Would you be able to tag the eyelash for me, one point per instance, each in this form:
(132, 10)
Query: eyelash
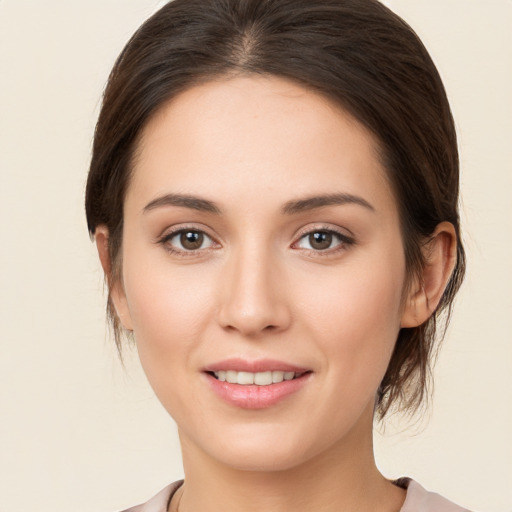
(344, 241)
(166, 239)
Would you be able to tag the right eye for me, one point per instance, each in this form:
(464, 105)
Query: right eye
(187, 240)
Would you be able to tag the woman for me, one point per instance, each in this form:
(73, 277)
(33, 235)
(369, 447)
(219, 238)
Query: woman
(273, 194)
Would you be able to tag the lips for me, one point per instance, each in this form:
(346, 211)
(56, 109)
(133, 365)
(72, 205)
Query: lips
(259, 365)
(255, 384)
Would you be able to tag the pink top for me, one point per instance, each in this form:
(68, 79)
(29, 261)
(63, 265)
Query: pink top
(417, 500)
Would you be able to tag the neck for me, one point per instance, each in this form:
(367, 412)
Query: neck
(344, 478)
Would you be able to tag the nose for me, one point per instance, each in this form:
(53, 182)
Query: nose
(253, 298)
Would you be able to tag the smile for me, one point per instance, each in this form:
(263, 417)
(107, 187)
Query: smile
(256, 384)
(259, 378)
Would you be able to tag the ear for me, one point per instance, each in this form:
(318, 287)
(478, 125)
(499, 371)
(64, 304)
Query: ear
(440, 254)
(115, 285)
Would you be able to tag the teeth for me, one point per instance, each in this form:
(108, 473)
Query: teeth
(245, 378)
(259, 378)
(277, 376)
(263, 378)
(232, 377)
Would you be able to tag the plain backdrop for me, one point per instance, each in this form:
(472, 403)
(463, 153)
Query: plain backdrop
(77, 432)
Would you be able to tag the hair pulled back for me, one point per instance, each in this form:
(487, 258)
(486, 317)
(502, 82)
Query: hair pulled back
(358, 54)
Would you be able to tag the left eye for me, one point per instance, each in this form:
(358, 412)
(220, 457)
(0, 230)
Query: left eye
(321, 240)
(189, 240)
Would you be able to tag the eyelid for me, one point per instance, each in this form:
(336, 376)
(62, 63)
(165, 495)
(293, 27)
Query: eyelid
(170, 232)
(346, 239)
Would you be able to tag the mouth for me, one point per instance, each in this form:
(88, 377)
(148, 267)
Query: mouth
(256, 384)
(266, 378)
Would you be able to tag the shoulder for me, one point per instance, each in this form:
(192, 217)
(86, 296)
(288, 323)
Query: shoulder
(420, 500)
(158, 503)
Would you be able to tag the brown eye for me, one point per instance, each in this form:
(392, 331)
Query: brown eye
(191, 240)
(324, 240)
(320, 240)
(187, 240)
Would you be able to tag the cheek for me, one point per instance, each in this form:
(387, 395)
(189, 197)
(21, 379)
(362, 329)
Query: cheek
(356, 315)
(168, 311)
(168, 308)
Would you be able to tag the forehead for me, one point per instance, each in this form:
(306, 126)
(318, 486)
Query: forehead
(247, 135)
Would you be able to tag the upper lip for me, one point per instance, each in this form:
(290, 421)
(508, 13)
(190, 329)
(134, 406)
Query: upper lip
(259, 365)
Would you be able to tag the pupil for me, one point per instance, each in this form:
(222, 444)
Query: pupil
(320, 240)
(191, 240)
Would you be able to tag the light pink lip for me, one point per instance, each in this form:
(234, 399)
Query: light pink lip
(259, 365)
(254, 396)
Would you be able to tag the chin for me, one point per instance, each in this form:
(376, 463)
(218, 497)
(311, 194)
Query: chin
(260, 458)
(264, 447)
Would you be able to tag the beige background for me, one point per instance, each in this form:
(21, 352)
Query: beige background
(77, 433)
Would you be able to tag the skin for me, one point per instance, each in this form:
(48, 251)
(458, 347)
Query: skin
(257, 288)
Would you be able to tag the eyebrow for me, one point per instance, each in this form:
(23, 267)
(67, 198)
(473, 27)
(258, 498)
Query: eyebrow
(186, 201)
(310, 203)
(289, 208)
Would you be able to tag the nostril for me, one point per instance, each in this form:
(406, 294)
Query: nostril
(251, 310)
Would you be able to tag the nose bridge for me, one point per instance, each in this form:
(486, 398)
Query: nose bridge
(253, 300)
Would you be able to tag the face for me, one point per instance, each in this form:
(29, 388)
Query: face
(263, 271)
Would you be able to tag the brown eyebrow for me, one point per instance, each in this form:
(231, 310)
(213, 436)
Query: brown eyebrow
(186, 201)
(290, 208)
(310, 203)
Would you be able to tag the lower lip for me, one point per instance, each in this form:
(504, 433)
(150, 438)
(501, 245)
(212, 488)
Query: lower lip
(253, 396)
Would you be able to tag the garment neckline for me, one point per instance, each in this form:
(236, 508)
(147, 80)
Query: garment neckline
(402, 482)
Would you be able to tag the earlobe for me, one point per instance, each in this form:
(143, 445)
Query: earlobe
(440, 254)
(115, 286)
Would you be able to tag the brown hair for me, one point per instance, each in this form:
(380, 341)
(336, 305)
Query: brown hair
(355, 52)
